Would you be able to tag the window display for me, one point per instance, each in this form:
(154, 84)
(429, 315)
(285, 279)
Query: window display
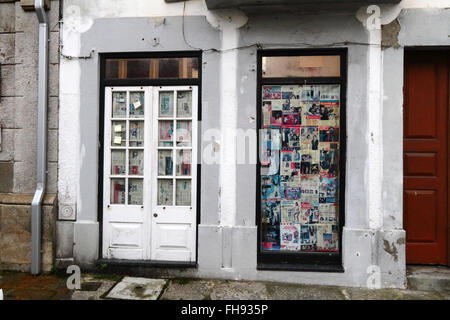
(299, 172)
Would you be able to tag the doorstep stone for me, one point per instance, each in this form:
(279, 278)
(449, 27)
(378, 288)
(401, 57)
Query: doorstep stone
(131, 288)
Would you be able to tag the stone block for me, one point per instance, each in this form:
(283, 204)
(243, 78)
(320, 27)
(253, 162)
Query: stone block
(85, 248)
(16, 219)
(52, 145)
(52, 177)
(26, 113)
(27, 47)
(243, 249)
(7, 153)
(6, 176)
(15, 248)
(53, 49)
(209, 248)
(25, 141)
(392, 258)
(15, 241)
(8, 112)
(53, 16)
(15, 231)
(26, 85)
(48, 223)
(7, 80)
(7, 17)
(53, 112)
(53, 80)
(7, 45)
(64, 239)
(24, 177)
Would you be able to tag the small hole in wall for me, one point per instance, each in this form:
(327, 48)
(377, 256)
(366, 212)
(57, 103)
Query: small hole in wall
(357, 254)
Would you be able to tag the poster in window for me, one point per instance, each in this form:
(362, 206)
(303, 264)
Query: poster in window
(183, 192)
(183, 162)
(136, 134)
(184, 104)
(290, 236)
(165, 163)
(166, 104)
(184, 133)
(299, 157)
(165, 192)
(135, 191)
(165, 134)
(136, 162)
(118, 162)
(117, 191)
(119, 105)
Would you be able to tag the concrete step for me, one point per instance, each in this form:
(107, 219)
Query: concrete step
(429, 278)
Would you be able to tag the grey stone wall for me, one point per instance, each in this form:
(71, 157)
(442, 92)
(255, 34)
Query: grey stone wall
(18, 121)
(18, 97)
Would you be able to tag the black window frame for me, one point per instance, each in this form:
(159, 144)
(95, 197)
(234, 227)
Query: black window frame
(303, 261)
(139, 82)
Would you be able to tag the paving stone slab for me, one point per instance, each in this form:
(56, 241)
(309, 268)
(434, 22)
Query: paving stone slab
(390, 294)
(89, 282)
(303, 292)
(188, 290)
(239, 290)
(131, 288)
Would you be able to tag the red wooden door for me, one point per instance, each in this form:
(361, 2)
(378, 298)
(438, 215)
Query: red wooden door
(425, 156)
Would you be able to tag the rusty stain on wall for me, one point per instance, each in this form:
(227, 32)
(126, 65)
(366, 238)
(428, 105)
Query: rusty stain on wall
(392, 250)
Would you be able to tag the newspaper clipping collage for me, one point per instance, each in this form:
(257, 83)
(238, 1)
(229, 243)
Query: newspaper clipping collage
(299, 154)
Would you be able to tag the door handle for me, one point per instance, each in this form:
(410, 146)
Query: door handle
(155, 215)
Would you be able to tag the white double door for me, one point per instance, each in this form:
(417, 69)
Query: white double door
(150, 171)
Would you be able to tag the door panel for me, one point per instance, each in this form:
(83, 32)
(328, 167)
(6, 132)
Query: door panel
(126, 179)
(174, 200)
(140, 163)
(426, 156)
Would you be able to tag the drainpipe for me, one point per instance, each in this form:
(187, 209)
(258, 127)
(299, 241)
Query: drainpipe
(41, 170)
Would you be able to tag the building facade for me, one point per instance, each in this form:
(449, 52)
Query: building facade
(300, 142)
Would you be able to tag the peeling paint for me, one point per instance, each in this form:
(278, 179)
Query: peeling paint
(389, 35)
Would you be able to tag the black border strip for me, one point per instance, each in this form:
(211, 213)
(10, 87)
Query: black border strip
(304, 261)
(143, 83)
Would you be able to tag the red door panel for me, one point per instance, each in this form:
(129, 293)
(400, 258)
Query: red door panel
(425, 156)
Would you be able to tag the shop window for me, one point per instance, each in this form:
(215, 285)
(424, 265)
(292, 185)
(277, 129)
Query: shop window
(301, 158)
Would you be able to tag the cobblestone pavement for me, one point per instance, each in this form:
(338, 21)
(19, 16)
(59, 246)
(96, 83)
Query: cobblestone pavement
(23, 286)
